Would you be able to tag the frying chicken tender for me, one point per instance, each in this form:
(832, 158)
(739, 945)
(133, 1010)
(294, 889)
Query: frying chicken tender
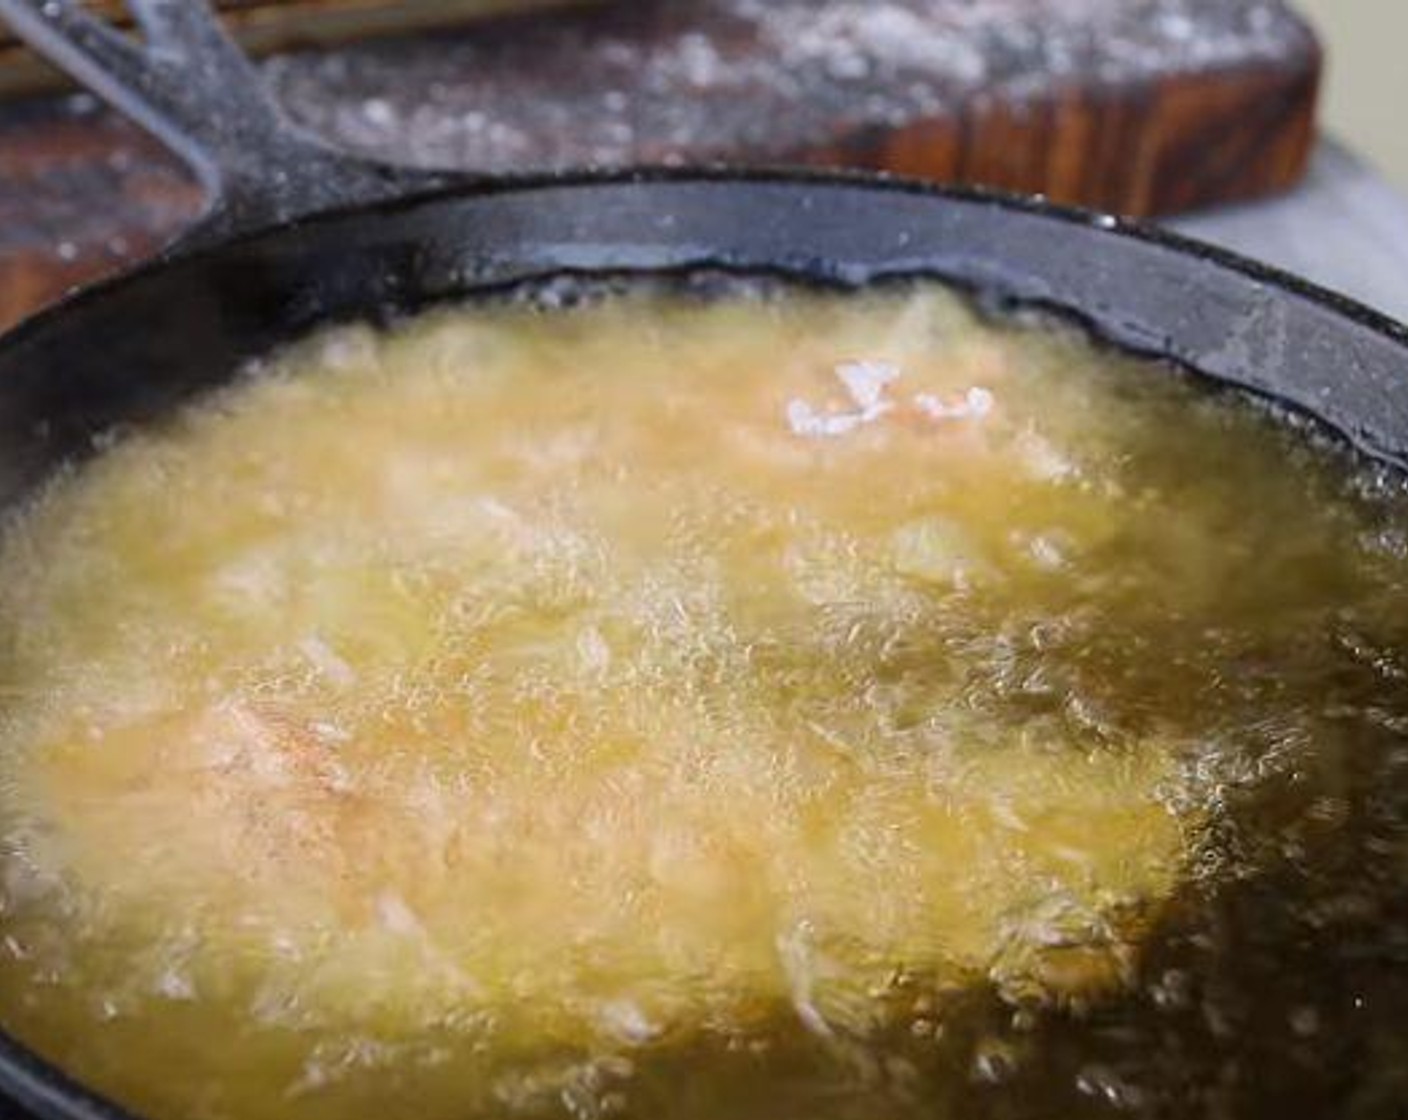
(650, 865)
(547, 677)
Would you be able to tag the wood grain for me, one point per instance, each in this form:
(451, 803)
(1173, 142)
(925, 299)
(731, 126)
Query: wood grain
(1135, 106)
(263, 26)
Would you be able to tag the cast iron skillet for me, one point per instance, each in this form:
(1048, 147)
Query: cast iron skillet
(298, 235)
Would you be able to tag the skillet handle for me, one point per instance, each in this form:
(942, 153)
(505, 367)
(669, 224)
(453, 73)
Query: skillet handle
(188, 83)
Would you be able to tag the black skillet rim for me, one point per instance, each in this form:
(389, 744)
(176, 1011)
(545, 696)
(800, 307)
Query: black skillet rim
(1140, 230)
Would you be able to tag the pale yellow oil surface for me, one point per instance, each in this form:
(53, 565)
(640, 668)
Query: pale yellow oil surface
(458, 720)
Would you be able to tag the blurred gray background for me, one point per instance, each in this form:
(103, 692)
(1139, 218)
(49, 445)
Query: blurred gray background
(1367, 95)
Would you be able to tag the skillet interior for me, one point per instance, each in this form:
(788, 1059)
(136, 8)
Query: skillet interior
(135, 348)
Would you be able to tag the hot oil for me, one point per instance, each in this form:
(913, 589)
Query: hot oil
(769, 704)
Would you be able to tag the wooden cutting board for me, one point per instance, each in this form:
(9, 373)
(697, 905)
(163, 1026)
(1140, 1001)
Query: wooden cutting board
(1135, 106)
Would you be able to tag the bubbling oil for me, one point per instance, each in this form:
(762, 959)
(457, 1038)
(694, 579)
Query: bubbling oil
(758, 703)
